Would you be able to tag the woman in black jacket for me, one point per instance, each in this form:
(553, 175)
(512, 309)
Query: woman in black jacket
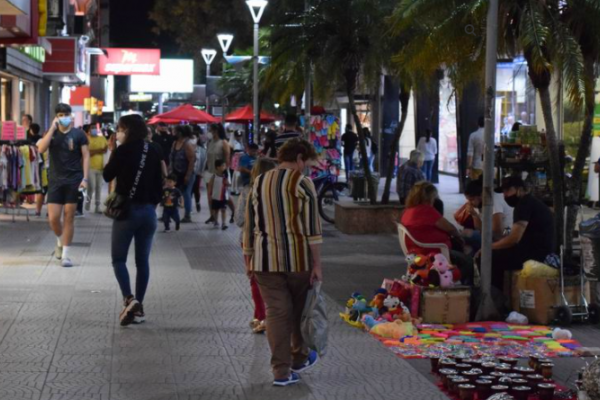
(136, 164)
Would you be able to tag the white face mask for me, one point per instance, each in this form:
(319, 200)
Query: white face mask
(194, 140)
(120, 136)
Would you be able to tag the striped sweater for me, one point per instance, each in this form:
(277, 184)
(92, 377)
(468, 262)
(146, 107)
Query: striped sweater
(282, 221)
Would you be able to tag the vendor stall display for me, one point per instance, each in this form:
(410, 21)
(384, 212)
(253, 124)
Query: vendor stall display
(324, 133)
(525, 150)
(492, 378)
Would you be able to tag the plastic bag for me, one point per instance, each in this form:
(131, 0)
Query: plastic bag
(516, 318)
(535, 269)
(590, 228)
(314, 324)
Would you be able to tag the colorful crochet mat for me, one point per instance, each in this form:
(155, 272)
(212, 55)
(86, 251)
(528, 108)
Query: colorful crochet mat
(483, 339)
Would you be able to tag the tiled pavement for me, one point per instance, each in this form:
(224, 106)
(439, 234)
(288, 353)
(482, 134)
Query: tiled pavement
(59, 337)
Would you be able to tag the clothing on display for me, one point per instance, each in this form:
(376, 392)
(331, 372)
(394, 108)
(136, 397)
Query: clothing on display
(22, 169)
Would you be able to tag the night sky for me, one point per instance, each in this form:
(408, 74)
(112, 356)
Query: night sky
(130, 26)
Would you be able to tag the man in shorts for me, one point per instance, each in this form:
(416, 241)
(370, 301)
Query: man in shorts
(69, 166)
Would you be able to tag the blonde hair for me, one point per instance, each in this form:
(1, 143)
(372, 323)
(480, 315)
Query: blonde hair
(421, 193)
(261, 166)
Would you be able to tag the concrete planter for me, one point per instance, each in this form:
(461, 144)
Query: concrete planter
(362, 219)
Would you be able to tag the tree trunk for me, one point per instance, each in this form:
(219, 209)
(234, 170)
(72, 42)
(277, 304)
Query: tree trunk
(575, 183)
(556, 171)
(404, 100)
(362, 146)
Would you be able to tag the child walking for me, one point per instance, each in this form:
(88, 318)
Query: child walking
(220, 194)
(261, 166)
(170, 202)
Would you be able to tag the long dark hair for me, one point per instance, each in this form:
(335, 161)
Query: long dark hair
(183, 131)
(220, 131)
(428, 134)
(135, 128)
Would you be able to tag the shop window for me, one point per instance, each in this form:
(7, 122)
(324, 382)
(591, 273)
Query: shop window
(515, 96)
(448, 143)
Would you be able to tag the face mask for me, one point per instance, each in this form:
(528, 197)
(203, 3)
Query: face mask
(512, 201)
(65, 121)
(120, 136)
(194, 141)
(94, 132)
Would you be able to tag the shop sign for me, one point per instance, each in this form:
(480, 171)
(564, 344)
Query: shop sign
(36, 53)
(130, 62)
(140, 97)
(21, 133)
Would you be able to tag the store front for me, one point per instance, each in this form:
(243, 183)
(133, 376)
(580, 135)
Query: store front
(515, 103)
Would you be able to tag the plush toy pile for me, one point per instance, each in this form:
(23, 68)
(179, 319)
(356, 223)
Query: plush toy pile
(432, 270)
(385, 315)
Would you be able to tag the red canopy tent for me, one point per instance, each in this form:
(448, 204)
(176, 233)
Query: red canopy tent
(246, 114)
(187, 113)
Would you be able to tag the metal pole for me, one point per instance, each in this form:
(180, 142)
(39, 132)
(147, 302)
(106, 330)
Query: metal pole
(160, 103)
(206, 88)
(487, 308)
(256, 126)
(307, 89)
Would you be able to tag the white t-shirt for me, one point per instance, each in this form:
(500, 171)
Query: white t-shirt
(429, 149)
(475, 149)
(500, 206)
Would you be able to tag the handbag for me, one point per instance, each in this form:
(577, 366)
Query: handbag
(117, 205)
(462, 216)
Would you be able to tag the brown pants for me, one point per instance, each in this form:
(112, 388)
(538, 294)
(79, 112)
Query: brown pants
(285, 296)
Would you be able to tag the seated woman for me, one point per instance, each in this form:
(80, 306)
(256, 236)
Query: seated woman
(427, 225)
(502, 218)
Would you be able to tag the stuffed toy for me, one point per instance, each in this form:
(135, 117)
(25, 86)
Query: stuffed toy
(419, 270)
(440, 273)
(394, 330)
(369, 322)
(379, 299)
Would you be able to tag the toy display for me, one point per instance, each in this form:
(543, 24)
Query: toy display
(325, 135)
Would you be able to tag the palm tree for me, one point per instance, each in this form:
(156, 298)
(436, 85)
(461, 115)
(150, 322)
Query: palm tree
(346, 42)
(533, 28)
(581, 17)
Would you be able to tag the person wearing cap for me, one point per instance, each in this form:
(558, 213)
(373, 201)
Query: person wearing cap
(532, 232)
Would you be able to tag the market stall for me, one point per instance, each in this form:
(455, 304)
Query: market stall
(185, 113)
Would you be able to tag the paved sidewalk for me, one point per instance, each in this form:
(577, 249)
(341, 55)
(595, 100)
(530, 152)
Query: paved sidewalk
(59, 337)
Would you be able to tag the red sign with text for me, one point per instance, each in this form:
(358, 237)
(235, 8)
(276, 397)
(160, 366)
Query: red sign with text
(8, 130)
(130, 62)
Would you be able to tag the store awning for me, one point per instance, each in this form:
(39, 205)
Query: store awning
(184, 113)
(246, 114)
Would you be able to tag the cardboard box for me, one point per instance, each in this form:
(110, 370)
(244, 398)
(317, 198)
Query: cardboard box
(536, 297)
(446, 306)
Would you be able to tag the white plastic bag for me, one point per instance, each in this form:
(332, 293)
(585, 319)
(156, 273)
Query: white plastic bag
(314, 325)
(516, 318)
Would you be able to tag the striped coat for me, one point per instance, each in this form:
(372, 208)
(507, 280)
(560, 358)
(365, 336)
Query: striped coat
(282, 221)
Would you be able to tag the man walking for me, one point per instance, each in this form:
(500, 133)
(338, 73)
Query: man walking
(290, 131)
(349, 140)
(475, 152)
(69, 165)
(165, 140)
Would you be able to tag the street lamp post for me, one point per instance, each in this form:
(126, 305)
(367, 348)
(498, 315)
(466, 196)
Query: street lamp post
(225, 41)
(257, 8)
(209, 56)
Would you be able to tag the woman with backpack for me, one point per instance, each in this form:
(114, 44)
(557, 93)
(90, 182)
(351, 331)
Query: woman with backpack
(183, 162)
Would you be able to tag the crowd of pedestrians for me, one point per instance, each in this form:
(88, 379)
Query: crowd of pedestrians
(165, 167)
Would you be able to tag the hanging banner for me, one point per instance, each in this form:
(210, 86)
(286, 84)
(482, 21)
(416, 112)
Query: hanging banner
(21, 133)
(129, 62)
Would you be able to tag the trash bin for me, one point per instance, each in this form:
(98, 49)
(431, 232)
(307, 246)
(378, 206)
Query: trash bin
(360, 189)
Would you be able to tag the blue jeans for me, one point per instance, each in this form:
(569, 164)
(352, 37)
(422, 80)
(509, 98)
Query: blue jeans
(474, 241)
(428, 169)
(170, 213)
(141, 225)
(349, 163)
(187, 190)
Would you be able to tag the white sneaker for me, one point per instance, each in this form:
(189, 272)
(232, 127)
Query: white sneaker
(87, 206)
(127, 316)
(66, 263)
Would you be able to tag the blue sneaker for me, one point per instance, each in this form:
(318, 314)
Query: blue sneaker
(310, 362)
(290, 380)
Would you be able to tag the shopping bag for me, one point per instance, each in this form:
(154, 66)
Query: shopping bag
(314, 325)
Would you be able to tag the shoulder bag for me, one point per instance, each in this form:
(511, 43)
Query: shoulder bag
(117, 205)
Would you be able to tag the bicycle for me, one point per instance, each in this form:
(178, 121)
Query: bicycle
(329, 191)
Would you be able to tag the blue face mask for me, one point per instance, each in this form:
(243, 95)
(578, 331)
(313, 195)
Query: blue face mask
(65, 121)
(94, 132)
